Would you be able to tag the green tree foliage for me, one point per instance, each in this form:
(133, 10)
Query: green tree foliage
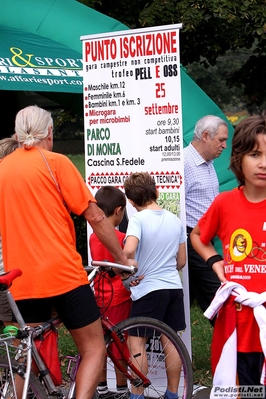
(211, 29)
(213, 81)
(67, 125)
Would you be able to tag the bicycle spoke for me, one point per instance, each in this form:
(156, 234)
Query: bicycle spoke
(7, 389)
(159, 356)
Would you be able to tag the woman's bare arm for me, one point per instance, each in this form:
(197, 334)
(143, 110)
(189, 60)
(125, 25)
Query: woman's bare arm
(106, 234)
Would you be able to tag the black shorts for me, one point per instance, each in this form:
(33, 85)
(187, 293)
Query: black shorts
(164, 305)
(249, 367)
(76, 308)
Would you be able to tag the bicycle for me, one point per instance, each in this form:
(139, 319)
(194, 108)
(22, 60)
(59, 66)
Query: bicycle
(164, 354)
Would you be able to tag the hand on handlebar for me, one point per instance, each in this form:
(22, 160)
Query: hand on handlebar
(123, 273)
(131, 262)
(123, 270)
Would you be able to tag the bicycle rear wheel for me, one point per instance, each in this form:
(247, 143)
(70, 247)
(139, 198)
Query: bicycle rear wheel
(157, 352)
(36, 390)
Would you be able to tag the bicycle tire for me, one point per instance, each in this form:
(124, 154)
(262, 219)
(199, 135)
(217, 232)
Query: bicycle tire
(36, 390)
(156, 371)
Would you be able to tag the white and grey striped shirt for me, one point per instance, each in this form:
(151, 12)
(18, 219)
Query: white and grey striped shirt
(201, 185)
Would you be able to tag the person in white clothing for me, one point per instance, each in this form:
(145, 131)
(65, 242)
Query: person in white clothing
(156, 238)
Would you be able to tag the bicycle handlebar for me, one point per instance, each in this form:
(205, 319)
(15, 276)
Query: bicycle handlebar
(126, 269)
(7, 278)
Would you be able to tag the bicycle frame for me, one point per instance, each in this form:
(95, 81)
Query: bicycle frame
(44, 372)
(27, 335)
(120, 343)
(27, 347)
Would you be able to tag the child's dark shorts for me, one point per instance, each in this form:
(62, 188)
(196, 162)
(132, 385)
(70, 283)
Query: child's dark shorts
(164, 305)
(249, 368)
(76, 308)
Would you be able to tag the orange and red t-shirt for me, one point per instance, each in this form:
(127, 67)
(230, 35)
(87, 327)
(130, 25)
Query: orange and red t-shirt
(37, 230)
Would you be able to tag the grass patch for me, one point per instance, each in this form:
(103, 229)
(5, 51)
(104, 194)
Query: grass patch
(201, 335)
(66, 343)
(79, 161)
(66, 347)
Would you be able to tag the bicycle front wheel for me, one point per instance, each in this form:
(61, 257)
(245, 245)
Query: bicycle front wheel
(156, 358)
(7, 389)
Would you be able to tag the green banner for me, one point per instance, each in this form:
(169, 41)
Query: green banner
(30, 62)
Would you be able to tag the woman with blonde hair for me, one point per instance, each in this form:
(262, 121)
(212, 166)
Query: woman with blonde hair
(38, 191)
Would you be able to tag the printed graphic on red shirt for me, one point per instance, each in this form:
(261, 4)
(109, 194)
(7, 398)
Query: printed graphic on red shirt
(245, 258)
(240, 245)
